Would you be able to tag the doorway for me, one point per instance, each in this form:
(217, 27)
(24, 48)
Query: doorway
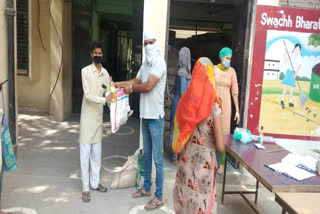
(206, 26)
(118, 26)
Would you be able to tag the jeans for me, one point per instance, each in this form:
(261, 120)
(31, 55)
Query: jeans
(152, 131)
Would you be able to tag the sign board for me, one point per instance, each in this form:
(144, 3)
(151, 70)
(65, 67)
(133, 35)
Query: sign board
(284, 94)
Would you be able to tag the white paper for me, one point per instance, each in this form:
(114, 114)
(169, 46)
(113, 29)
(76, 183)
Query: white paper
(291, 171)
(259, 146)
(301, 161)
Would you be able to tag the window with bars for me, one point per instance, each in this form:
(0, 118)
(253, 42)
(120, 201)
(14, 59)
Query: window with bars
(23, 37)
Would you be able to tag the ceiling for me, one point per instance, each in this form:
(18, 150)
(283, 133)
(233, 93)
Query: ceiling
(202, 13)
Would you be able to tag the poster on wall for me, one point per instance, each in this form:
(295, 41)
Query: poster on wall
(284, 94)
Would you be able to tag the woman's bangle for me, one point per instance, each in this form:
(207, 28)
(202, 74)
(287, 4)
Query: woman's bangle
(131, 88)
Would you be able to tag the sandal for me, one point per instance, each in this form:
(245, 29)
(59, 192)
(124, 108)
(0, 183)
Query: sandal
(221, 170)
(154, 204)
(140, 194)
(86, 197)
(101, 188)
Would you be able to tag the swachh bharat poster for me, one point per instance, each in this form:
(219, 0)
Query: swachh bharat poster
(284, 94)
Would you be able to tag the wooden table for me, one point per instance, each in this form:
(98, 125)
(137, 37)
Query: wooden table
(299, 203)
(254, 160)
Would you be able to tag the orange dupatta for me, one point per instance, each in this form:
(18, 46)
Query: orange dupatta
(195, 104)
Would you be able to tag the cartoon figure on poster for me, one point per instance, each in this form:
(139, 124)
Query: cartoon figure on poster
(291, 79)
(293, 63)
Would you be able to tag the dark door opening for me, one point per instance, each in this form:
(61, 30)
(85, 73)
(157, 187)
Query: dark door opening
(205, 28)
(118, 26)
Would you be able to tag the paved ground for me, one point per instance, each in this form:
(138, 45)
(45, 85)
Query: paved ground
(48, 178)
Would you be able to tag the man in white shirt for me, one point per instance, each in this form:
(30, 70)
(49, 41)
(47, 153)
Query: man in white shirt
(151, 82)
(95, 82)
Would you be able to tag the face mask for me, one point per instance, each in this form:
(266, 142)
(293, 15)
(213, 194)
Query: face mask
(226, 63)
(150, 51)
(97, 59)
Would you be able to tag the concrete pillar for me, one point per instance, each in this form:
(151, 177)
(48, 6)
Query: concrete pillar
(60, 59)
(4, 55)
(155, 19)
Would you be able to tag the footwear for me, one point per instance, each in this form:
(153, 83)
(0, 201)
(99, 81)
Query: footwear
(282, 104)
(154, 204)
(221, 170)
(291, 105)
(140, 194)
(101, 188)
(85, 197)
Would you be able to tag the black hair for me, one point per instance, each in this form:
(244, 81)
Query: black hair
(297, 45)
(95, 45)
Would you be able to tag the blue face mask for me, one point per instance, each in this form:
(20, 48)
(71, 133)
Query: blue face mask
(226, 63)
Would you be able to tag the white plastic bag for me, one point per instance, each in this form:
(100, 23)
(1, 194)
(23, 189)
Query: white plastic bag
(126, 177)
(120, 110)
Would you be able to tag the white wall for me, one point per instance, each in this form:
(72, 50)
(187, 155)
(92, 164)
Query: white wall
(155, 19)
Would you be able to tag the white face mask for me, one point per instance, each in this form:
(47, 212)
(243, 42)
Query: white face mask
(151, 52)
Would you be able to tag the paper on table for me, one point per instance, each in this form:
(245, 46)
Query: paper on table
(306, 162)
(259, 146)
(291, 171)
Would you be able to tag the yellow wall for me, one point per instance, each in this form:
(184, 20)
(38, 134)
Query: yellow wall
(50, 40)
(60, 48)
(33, 91)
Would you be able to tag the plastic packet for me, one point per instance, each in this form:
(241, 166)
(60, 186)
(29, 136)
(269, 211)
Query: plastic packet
(243, 135)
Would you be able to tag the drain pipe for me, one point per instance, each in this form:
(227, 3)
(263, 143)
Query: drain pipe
(10, 12)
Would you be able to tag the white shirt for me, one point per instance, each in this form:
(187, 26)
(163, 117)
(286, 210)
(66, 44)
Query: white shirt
(152, 103)
(91, 119)
(296, 62)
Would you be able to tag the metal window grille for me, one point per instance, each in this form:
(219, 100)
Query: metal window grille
(23, 37)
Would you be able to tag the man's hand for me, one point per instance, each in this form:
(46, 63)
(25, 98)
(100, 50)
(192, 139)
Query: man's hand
(117, 84)
(121, 84)
(127, 90)
(111, 96)
(124, 84)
